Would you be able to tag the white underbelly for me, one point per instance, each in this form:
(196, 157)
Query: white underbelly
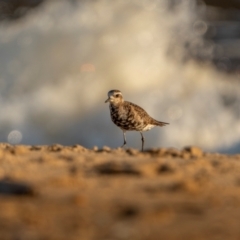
(148, 127)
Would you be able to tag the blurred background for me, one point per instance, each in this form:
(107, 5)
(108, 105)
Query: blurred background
(178, 59)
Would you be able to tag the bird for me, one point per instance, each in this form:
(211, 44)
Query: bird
(129, 116)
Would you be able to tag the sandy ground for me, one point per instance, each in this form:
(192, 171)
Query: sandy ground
(58, 192)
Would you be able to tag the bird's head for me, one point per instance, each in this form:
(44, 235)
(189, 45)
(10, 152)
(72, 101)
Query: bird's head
(114, 97)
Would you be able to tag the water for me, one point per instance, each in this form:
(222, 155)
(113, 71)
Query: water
(58, 63)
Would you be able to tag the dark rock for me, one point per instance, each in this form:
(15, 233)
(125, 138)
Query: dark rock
(165, 168)
(116, 168)
(128, 212)
(15, 188)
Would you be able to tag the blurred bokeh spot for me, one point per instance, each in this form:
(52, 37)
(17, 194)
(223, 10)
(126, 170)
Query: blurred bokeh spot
(14, 137)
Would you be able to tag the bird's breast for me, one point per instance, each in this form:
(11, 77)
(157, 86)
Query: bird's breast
(118, 113)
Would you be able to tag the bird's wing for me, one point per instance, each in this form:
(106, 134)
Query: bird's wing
(140, 112)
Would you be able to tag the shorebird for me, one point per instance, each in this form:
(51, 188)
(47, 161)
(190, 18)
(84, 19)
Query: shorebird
(129, 116)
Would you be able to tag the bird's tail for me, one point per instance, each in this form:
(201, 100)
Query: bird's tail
(158, 123)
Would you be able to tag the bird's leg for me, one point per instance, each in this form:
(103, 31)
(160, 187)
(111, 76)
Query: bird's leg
(124, 137)
(142, 140)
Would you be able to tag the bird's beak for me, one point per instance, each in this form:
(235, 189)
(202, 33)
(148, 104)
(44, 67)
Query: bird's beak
(107, 100)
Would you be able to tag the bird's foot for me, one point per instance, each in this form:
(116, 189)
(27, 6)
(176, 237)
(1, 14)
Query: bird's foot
(123, 144)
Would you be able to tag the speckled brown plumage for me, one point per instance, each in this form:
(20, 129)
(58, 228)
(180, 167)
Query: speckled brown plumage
(129, 116)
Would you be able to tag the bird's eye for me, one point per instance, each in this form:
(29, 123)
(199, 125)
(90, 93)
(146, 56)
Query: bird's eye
(117, 95)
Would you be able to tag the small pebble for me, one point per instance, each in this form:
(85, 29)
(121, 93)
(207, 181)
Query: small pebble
(106, 149)
(195, 152)
(55, 148)
(95, 148)
(132, 151)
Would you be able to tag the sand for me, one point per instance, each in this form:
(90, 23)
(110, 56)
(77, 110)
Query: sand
(70, 192)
